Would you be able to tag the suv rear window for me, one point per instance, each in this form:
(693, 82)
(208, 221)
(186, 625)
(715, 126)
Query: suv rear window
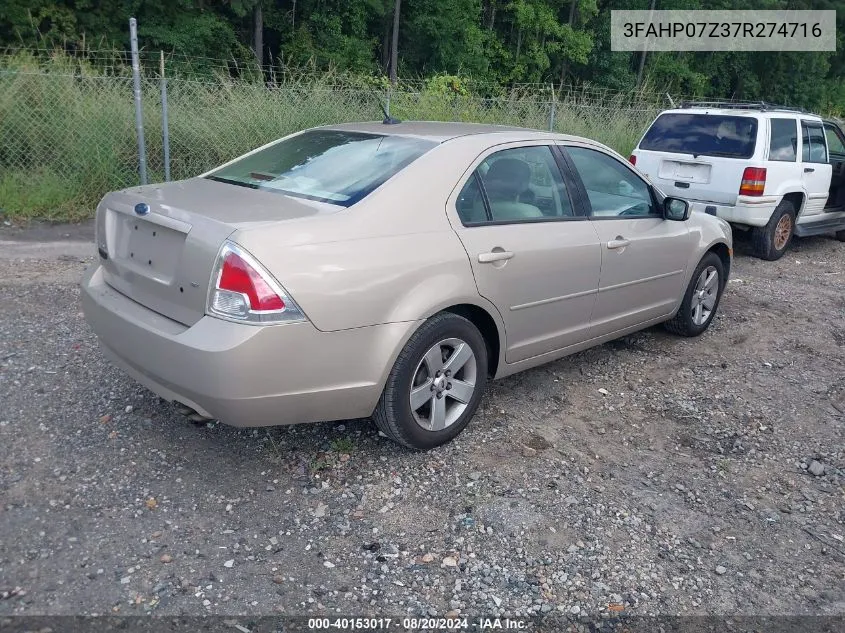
(326, 165)
(702, 135)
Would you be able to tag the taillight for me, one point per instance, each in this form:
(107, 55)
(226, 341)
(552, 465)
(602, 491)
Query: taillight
(632, 159)
(243, 290)
(753, 181)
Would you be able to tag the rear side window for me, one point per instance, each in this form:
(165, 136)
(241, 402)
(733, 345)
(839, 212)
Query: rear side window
(813, 149)
(522, 184)
(326, 165)
(783, 145)
(702, 135)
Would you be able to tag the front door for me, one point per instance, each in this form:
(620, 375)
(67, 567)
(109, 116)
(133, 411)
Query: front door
(643, 256)
(836, 150)
(533, 254)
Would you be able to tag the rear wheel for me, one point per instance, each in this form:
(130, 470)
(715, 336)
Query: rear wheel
(840, 235)
(701, 299)
(771, 241)
(435, 385)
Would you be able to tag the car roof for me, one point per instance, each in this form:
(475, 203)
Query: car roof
(441, 132)
(750, 112)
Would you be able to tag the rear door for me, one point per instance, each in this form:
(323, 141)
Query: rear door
(534, 254)
(643, 256)
(817, 171)
(698, 156)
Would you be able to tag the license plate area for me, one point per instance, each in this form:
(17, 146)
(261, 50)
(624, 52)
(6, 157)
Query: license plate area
(698, 173)
(144, 247)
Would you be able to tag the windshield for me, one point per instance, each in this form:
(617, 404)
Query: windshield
(702, 135)
(327, 165)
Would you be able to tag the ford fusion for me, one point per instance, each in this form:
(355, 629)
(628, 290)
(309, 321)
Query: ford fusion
(390, 271)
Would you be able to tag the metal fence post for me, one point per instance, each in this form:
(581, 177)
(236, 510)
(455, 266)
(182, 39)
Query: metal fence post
(552, 112)
(165, 131)
(139, 117)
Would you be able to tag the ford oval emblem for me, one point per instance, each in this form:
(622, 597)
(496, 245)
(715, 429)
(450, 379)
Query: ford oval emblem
(142, 208)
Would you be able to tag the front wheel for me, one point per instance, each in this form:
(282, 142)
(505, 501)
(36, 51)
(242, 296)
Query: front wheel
(435, 385)
(840, 235)
(701, 299)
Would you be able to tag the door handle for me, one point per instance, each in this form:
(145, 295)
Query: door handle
(809, 170)
(494, 256)
(619, 242)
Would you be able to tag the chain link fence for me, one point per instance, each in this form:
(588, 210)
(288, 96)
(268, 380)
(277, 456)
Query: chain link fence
(67, 133)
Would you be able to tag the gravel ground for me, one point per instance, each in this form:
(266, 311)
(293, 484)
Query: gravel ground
(651, 475)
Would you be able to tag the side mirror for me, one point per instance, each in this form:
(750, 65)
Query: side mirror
(676, 209)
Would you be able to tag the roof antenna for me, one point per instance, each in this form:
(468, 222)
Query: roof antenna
(388, 120)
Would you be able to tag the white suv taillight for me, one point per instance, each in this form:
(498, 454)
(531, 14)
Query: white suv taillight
(242, 290)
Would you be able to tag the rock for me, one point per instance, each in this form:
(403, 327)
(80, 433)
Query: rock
(449, 561)
(427, 558)
(721, 570)
(166, 558)
(128, 408)
(229, 563)
(604, 391)
(278, 579)
(475, 475)
(816, 468)
(321, 510)
(527, 451)
(498, 601)
(328, 563)
(125, 580)
(575, 609)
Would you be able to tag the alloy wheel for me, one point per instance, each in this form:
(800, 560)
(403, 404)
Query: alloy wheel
(704, 295)
(443, 384)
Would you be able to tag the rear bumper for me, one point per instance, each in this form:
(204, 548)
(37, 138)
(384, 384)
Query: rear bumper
(748, 210)
(245, 375)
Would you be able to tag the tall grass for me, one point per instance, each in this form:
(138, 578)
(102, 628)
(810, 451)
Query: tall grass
(67, 129)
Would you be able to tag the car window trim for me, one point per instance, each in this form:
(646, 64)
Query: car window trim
(586, 197)
(488, 211)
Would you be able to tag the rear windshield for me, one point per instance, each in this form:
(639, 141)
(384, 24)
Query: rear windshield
(326, 165)
(702, 135)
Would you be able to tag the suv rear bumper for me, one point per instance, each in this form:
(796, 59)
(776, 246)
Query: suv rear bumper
(747, 210)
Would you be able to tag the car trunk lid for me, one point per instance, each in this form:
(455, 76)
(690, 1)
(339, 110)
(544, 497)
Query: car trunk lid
(160, 241)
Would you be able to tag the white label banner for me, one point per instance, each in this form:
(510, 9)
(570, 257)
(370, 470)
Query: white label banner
(678, 30)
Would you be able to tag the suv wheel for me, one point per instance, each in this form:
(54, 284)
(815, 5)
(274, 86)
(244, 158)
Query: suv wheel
(435, 385)
(840, 235)
(771, 241)
(701, 298)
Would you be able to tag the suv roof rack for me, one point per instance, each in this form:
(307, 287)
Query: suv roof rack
(741, 105)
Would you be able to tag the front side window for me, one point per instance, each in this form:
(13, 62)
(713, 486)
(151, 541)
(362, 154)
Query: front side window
(835, 143)
(513, 185)
(783, 144)
(613, 189)
(326, 165)
(702, 135)
(813, 149)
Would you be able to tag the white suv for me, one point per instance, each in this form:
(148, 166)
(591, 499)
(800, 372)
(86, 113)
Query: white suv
(766, 169)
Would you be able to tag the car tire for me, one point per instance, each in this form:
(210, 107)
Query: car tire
(688, 321)
(840, 235)
(442, 413)
(771, 241)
